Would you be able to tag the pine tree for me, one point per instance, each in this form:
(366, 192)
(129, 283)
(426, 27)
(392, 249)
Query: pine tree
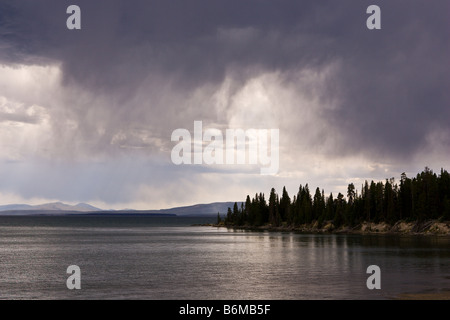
(285, 207)
(242, 215)
(229, 218)
(349, 217)
(379, 208)
(307, 205)
(264, 208)
(318, 209)
(298, 216)
(366, 197)
(389, 202)
(405, 197)
(351, 193)
(340, 209)
(273, 208)
(250, 217)
(235, 215)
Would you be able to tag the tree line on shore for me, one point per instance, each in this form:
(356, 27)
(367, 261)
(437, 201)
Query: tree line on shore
(426, 196)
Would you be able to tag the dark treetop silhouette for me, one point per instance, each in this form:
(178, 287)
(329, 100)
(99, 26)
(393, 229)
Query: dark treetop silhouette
(426, 196)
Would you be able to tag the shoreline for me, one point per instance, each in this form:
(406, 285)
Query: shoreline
(429, 227)
(438, 295)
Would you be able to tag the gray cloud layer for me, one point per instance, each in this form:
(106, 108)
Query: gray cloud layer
(139, 69)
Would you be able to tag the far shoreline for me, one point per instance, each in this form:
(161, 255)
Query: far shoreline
(429, 227)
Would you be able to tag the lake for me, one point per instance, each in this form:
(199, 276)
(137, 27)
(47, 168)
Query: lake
(129, 257)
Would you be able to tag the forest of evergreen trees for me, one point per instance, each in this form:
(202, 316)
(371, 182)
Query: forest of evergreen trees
(426, 196)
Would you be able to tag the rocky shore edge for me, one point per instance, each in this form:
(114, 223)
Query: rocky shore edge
(429, 227)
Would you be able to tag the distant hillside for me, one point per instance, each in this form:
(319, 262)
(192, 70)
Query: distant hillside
(14, 207)
(55, 206)
(201, 209)
(210, 209)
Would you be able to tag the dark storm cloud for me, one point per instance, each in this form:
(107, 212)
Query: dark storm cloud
(193, 40)
(394, 86)
(391, 87)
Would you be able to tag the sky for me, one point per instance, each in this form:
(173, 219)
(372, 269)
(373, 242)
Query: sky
(86, 115)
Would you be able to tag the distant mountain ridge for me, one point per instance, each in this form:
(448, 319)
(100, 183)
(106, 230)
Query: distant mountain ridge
(200, 209)
(209, 209)
(54, 206)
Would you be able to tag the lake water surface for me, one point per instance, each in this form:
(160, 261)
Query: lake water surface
(169, 258)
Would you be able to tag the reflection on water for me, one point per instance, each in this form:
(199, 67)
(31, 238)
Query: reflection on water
(168, 258)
